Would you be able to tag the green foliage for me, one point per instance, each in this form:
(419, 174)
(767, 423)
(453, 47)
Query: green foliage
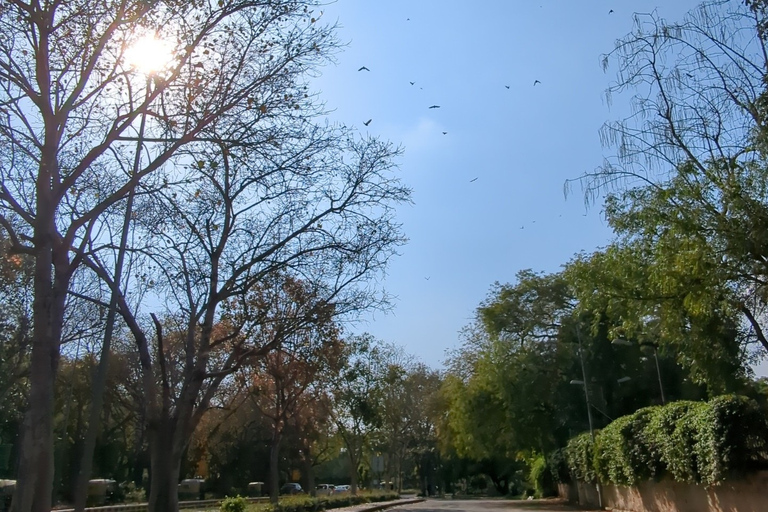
(557, 463)
(540, 477)
(702, 442)
(580, 456)
(233, 504)
(621, 454)
(309, 504)
(132, 494)
(732, 435)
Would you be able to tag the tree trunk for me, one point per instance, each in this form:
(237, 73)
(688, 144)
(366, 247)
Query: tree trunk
(164, 468)
(353, 461)
(34, 483)
(274, 467)
(309, 468)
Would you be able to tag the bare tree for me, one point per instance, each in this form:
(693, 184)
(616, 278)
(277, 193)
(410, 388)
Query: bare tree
(71, 109)
(303, 200)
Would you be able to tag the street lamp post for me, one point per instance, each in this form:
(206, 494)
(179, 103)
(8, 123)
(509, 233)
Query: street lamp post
(627, 343)
(589, 407)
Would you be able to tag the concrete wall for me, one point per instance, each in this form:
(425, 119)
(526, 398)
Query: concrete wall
(745, 495)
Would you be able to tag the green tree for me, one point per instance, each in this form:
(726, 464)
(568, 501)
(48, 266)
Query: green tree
(356, 407)
(686, 187)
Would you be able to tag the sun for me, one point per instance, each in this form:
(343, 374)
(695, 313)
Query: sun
(149, 54)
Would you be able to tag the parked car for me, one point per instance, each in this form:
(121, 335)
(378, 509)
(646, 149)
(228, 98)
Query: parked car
(325, 489)
(341, 489)
(291, 488)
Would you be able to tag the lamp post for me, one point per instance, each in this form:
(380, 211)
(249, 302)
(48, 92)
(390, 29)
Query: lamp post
(627, 343)
(589, 407)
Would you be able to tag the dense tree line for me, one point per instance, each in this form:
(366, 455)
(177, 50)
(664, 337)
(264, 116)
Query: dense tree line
(182, 246)
(674, 307)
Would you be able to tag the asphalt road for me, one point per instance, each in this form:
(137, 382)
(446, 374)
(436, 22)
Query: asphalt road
(498, 505)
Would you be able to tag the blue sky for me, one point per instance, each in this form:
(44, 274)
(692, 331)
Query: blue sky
(521, 143)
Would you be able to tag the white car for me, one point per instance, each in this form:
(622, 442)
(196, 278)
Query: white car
(342, 488)
(325, 489)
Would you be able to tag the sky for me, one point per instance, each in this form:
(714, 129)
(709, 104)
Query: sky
(487, 167)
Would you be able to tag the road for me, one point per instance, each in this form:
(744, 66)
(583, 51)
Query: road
(497, 505)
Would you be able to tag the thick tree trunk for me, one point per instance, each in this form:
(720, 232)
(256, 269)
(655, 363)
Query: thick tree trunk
(274, 468)
(164, 468)
(35, 476)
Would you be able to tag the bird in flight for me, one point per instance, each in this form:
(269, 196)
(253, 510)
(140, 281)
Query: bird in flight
(427, 278)
(473, 180)
(363, 68)
(610, 12)
(435, 106)
(445, 133)
(506, 86)
(368, 122)
(412, 83)
(536, 82)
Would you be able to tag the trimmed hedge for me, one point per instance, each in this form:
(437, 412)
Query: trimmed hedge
(309, 504)
(580, 454)
(701, 442)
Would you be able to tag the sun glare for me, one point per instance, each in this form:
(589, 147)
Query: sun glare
(149, 54)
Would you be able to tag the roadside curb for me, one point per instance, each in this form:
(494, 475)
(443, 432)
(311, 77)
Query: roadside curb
(384, 505)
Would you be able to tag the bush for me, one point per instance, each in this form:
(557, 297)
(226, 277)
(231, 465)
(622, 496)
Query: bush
(731, 436)
(132, 494)
(622, 454)
(540, 477)
(233, 504)
(580, 455)
(691, 441)
(557, 463)
(309, 504)
(665, 440)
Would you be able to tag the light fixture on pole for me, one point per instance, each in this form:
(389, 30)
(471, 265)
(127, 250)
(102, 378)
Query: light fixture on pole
(626, 343)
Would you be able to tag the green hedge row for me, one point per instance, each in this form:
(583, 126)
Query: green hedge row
(701, 442)
(309, 504)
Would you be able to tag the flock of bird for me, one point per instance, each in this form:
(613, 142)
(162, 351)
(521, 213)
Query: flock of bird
(368, 122)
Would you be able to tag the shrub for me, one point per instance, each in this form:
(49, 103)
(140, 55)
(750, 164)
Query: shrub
(132, 494)
(309, 504)
(557, 463)
(233, 504)
(622, 453)
(540, 477)
(666, 439)
(580, 455)
(692, 441)
(731, 435)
